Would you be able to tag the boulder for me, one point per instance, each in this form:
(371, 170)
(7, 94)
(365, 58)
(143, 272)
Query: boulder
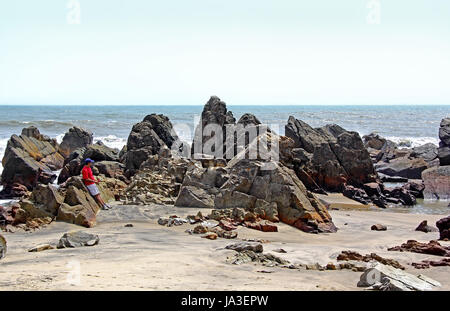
(256, 185)
(374, 141)
(146, 139)
(424, 227)
(74, 139)
(29, 155)
(378, 227)
(444, 228)
(214, 114)
(428, 152)
(99, 153)
(410, 168)
(79, 206)
(77, 239)
(382, 277)
(47, 198)
(330, 155)
(437, 183)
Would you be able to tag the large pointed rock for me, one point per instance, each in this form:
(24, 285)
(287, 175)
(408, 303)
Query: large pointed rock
(146, 139)
(30, 158)
(329, 156)
(74, 139)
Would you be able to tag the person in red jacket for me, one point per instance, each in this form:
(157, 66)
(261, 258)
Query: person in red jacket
(90, 183)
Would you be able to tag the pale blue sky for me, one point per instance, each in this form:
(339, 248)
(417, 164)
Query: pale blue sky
(245, 51)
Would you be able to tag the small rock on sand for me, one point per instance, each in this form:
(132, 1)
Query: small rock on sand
(379, 227)
(78, 239)
(246, 246)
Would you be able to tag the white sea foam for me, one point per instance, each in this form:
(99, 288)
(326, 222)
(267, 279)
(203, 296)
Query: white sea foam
(411, 142)
(112, 141)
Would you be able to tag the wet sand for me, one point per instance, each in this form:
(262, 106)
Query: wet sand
(148, 256)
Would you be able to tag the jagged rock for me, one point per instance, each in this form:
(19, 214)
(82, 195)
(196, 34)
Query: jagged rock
(331, 155)
(246, 246)
(158, 181)
(146, 139)
(214, 114)
(424, 227)
(350, 255)
(444, 144)
(437, 183)
(428, 152)
(47, 198)
(431, 248)
(374, 141)
(78, 239)
(243, 182)
(74, 139)
(356, 194)
(100, 154)
(26, 158)
(403, 167)
(79, 206)
(386, 278)
(444, 228)
(264, 259)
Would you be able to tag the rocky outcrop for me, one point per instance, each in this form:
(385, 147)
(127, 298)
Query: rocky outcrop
(444, 145)
(146, 139)
(215, 115)
(3, 247)
(29, 158)
(437, 183)
(330, 155)
(444, 228)
(106, 162)
(74, 139)
(158, 181)
(431, 248)
(255, 184)
(374, 141)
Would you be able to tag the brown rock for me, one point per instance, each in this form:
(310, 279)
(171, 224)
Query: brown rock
(431, 248)
(424, 227)
(378, 227)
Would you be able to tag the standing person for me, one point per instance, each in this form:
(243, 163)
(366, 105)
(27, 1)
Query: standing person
(90, 183)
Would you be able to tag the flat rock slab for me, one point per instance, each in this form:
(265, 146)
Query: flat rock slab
(338, 200)
(381, 277)
(40, 248)
(78, 239)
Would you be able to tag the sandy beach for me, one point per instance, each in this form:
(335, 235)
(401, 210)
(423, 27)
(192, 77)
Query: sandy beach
(149, 256)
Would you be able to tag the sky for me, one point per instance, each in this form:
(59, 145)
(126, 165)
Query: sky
(248, 52)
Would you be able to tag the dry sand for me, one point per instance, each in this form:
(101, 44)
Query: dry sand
(148, 256)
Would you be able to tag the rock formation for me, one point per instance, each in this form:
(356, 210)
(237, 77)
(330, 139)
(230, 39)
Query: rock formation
(146, 139)
(214, 116)
(255, 184)
(29, 158)
(444, 228)
(331, 156)
(74, 139)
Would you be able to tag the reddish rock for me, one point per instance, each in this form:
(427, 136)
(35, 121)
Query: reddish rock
(425, 264)
(350, 255)
(227, 225)
(431, 248)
